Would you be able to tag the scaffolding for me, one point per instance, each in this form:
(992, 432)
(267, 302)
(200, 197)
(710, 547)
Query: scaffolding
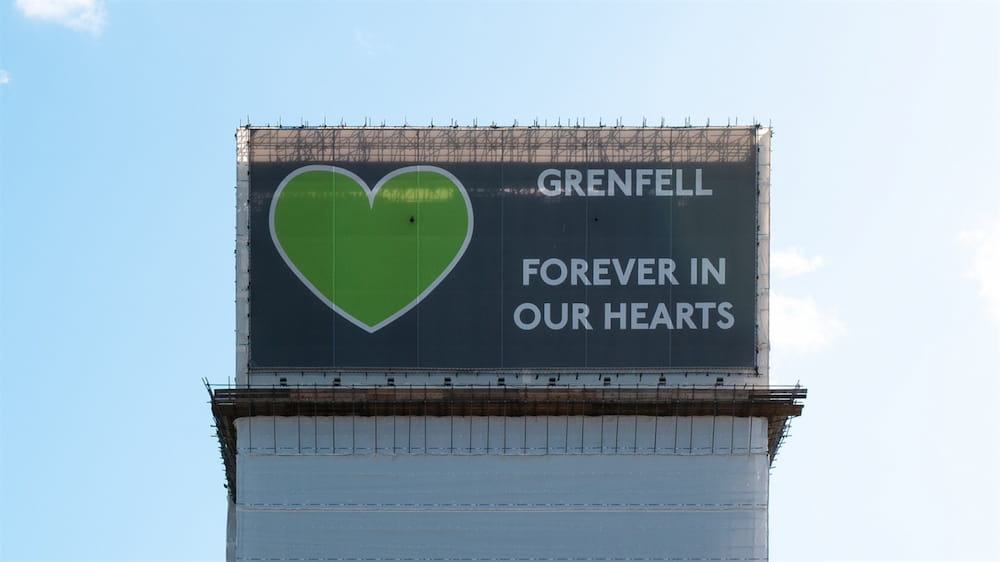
(402, 145)
(777, 404)
(503, 144)
(334, 392)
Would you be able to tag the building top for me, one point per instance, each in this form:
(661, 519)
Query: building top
(504, 144)
(502, 250)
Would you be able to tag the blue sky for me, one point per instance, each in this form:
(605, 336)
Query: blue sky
(117, 168)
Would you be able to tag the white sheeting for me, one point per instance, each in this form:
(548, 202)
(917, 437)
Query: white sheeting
(532, 435)
(701, 496)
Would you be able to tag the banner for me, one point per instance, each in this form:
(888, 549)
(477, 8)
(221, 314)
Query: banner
(489, 265)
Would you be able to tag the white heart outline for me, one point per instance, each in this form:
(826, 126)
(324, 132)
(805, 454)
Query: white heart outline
(371, 193)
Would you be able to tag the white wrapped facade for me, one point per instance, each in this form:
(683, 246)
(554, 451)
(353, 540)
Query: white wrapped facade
(491, 488)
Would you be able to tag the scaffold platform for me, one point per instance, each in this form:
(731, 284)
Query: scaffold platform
(777, 404)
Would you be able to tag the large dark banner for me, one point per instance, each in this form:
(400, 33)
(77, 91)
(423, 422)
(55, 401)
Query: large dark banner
(497, 266)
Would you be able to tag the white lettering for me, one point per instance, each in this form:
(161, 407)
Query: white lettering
(601, 272)
(529, 266)
(642, 179)
(717, 273)
(663, 182)
(594, 182)
(531, 324)
(580, 313)
(728, 320)
(528, 316)
(661, 317)
(697, 184)
(579, 271)
(704, 307)
(624, 184)
(555, 324)
(573, 178)
(680, 184)
(684, 313)
(552, 188)
(646, 271)
(666, 271)
(560, 269)
(650, 316)
(623, 275)
(629, 182)
(638, 315)
(610, 315)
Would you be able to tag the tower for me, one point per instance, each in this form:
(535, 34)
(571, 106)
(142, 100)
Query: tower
(471, 343)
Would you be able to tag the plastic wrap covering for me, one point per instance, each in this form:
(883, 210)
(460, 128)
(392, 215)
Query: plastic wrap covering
(698, 493)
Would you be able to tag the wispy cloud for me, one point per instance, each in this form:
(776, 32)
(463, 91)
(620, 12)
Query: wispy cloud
(364, 43)
(798, 324)
(4, 77)
(791, 262)
(81, 15)
(985, 267)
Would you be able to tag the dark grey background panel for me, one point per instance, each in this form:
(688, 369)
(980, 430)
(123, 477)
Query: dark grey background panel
(467, 322)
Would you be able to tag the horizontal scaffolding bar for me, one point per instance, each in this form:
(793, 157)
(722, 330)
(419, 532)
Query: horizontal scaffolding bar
(507, 401)
(777, 404)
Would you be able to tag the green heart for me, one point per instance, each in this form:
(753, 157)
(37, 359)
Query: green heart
(371, 254)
